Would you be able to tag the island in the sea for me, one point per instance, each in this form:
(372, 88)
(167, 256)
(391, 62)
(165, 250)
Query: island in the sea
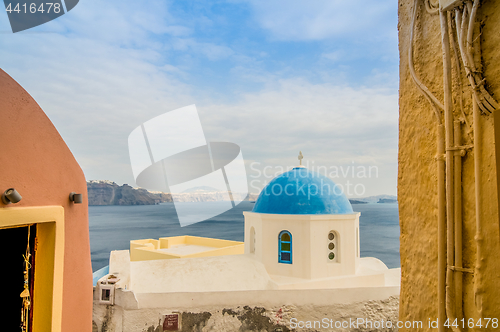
(104, 192)
(387, 200)
(354, 201)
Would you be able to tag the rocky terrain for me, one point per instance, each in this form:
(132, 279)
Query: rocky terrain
(385, 200)
(378, 198)
(354, 201)
(110, 193)
(102, 192)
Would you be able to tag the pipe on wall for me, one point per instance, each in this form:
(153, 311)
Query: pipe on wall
(456, 53)
(450, 290)
(478, 276)
(458, 179)
(450, 217)
(481, 102)
(441, 268)
(458, 222)
(465, 20)
(435, 103)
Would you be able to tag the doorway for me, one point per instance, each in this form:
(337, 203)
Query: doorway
(13, 245)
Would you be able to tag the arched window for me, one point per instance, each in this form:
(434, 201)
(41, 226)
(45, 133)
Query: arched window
(285, 247)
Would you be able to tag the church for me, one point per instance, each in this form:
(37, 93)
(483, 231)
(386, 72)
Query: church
(303, 226)
(301, 250)
(301, 234)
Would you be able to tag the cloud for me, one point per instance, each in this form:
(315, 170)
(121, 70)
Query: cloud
(333, 56)
(99, 76)
(295, 112)
(331, 125)
(322, 19)
(211, 51)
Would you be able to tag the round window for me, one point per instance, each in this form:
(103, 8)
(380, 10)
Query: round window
(331, 236)
(331, 246)
(331, 256)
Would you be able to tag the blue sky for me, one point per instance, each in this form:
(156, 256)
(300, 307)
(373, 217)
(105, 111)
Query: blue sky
(273, 76)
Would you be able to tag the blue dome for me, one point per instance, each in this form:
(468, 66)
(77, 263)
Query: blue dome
(300, 191)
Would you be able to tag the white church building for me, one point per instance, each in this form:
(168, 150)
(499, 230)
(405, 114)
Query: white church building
(305, 233)
(301, 252)
(301, 234)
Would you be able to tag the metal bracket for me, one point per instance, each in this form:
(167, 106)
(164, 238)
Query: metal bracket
(440, 157)
(461, 269)
(445, 5)
(460, 147)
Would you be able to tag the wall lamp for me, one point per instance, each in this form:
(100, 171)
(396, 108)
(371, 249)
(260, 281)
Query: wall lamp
(11, 196)
(76, 198)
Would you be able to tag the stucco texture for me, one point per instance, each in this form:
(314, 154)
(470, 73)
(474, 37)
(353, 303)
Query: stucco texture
(417, 178)
(37, 163)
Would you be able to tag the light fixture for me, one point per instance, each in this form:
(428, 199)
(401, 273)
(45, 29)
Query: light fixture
(76, 198)
(11, 196)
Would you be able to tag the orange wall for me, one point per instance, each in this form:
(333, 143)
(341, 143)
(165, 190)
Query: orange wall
(36, 162)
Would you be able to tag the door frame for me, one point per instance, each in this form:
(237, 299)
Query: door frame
(49, 260)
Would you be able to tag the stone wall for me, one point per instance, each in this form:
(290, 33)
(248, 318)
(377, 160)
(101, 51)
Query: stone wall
(226, 311)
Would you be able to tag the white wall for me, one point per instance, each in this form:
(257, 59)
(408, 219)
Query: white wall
(230, 311)
(309, 243)
(347, 259)
(203, 274)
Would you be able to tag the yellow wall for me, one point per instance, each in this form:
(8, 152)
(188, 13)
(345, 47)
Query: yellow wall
(417, 183)
(145, 249)
(49, 261)
(144, 243)
(209, 242)
(148, 253)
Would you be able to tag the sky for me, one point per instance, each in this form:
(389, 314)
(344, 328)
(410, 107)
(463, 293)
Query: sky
(275, 77)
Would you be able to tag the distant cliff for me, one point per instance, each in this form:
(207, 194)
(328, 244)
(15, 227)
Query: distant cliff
(104, 192)
(353, 201)
(386, 200)
(214, 196)
(110, 193)
(375, 199)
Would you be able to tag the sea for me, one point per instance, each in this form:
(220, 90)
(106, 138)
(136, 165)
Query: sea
(112, 228)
